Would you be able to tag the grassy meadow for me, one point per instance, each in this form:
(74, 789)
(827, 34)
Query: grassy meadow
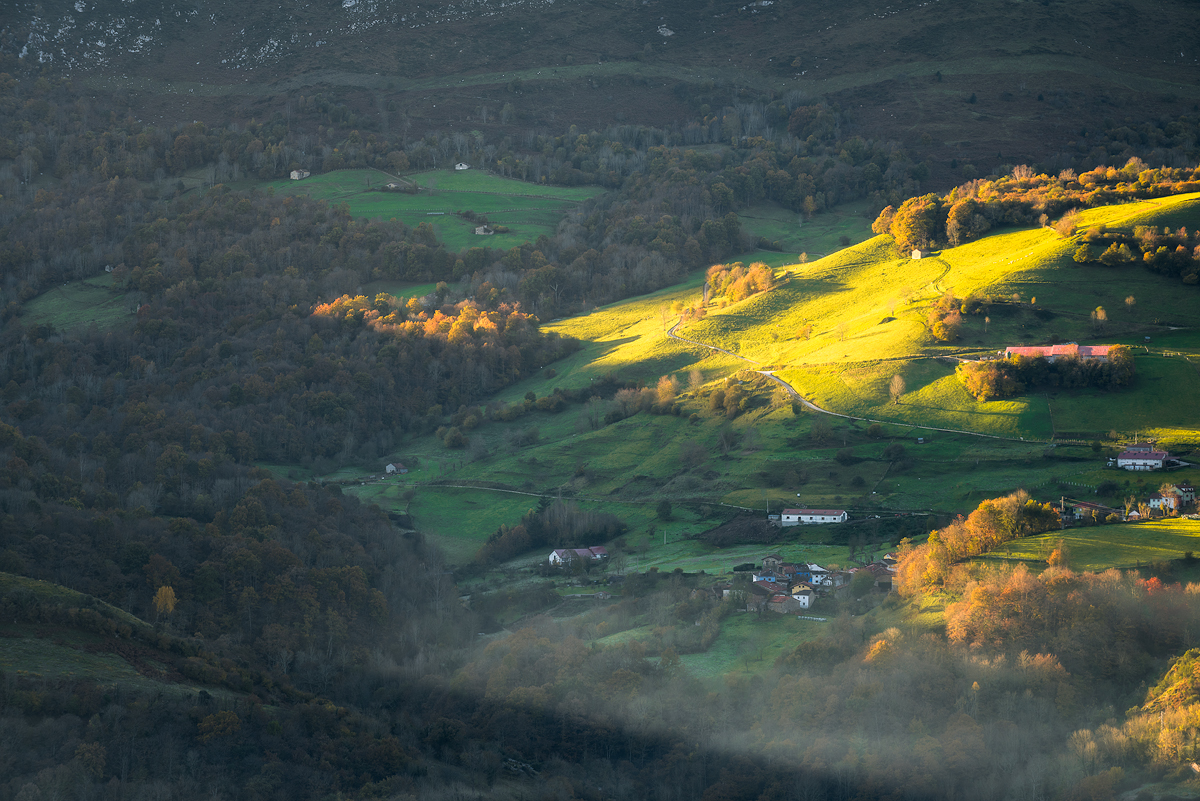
(1121, 545)
(80, 304)
(55, 652)
(750, 644)
(818, 237)
(529, 210)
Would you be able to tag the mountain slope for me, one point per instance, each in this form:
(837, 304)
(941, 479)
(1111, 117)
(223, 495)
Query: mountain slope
(976, 82)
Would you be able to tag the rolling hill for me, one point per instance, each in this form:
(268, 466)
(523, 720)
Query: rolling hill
(868, 312)
(770, 452)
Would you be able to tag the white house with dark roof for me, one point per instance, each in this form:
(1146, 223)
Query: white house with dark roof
(562, 556)
(796, 517)
(1164, 501)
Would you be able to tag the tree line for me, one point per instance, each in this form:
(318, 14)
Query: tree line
(1024, 198)
(1004, 378)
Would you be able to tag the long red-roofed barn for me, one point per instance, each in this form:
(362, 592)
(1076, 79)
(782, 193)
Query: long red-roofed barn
(1067, 350)
(1137, 458)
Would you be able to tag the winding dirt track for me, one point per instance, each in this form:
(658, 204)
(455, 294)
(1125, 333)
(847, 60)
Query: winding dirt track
(814, 407)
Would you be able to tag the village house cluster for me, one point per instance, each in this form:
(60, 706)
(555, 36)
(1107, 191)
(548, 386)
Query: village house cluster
(783, 587)
(1168, 500)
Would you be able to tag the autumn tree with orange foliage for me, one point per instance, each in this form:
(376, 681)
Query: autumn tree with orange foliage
(1023, 198)
(994, 522)
(735, 282)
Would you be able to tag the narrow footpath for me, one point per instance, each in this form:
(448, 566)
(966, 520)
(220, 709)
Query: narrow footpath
(814, 407)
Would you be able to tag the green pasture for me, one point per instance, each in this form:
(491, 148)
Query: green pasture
(628, 338)
(750, 643)
(51, 594)
(817, 237)
(80, 304)
(29, 655)
(1156, 400)
(772, 258)
(934, 397)
(479, 181)
(1097, 548)
(529, 210)
(62, 654)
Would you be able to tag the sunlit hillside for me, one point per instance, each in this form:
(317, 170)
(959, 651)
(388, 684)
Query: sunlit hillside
(867, 310)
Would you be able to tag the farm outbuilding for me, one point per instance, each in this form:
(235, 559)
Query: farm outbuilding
(795, 517)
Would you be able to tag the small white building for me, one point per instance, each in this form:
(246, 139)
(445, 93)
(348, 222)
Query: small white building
(795, 517)
(918, 253)
(805, 598)
(462, 165)
(298, 174)
(483, 230)
(562, 556)
(395, 467)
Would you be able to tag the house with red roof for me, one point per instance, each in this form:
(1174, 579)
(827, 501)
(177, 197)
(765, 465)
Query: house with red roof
(1068, 350)
(1142, 457)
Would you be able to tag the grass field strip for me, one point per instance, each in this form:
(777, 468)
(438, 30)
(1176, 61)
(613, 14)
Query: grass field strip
(553, 496)
(813, 407)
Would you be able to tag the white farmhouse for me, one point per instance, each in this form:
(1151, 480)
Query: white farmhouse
(1142, 456)
(795, 517)
(299, 174)
(561, 556)
(805, 597)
